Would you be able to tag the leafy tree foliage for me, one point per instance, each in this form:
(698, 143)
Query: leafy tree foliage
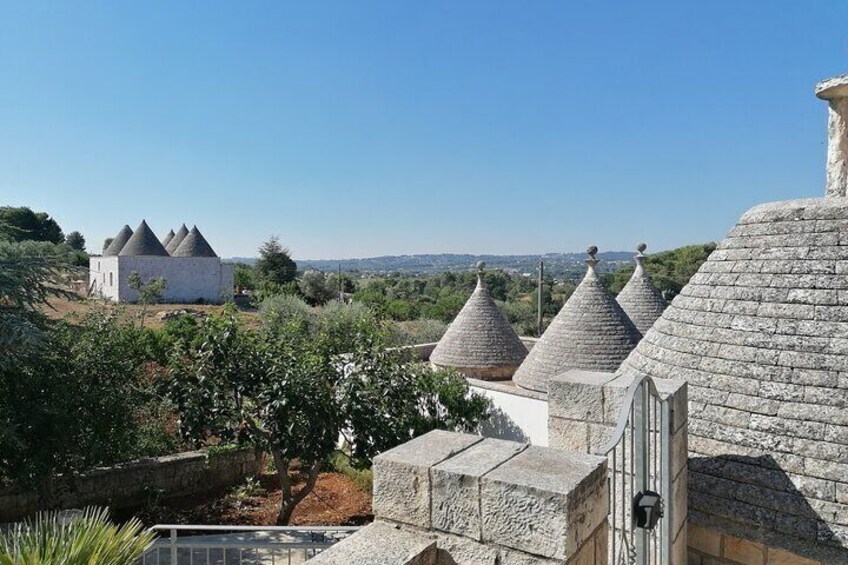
(244, 276)
(275, 264)
(316, 288)
(670, 270)
(30, 274)
(75, 241)
(150, 292)
(22, 224)
(292, 391)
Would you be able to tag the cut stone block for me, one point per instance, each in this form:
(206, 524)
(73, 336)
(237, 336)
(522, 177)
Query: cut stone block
(455, 485)
(381, 543)
(544, 501)
(402, 475)
(578, 395)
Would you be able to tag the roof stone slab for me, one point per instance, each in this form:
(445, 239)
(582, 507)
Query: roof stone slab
(118, 242)
(761, 335)
(177, 239)
(194, 245)
(639, 298)
(590, 332)
(480, 338)
(168, 237)
(143, 242)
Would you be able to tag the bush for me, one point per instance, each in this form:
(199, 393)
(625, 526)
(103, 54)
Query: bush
(414, 332)
(78, 540)
(342, 323)
(285, 310)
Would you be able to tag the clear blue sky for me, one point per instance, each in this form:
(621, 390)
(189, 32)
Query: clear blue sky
(364, 128)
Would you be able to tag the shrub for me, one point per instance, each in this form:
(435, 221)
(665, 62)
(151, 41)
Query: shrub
(284, 310)
(414, 332)
(79, 540)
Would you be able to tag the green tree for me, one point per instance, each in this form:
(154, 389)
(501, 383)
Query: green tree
(75, 241)
(275, 264)
(150, 292)
(287, 392)
(669, 270)
(22, 224)
(244, 276)
(316, 288)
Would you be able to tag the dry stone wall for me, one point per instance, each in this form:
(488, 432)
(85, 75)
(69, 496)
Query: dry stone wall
(132, 484)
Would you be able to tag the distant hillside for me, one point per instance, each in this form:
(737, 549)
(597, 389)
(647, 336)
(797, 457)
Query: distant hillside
(556, 264)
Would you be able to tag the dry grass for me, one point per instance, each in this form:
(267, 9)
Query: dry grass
(61, 308)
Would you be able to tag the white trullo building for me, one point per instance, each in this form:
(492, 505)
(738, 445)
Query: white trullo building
(193, 271)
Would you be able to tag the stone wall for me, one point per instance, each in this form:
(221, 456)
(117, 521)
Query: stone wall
(584, 408)
(131, 484)
(456, 499)
(189, 278)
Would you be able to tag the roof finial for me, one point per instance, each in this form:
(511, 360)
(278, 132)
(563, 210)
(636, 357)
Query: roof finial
(835, 91)
(481, 266)
(592, 250)
(640, 257)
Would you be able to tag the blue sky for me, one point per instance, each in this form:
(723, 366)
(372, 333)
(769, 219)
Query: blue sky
(354, 129)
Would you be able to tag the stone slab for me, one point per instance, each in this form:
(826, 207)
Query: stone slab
(381, 543)
(544, 501)
(578, 395)
(402, 475)
(455, 485)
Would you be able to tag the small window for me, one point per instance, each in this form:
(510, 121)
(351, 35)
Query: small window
(98, 265)
(110, 279)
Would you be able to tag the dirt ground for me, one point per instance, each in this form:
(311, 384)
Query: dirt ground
(336, 500)
(60, 308)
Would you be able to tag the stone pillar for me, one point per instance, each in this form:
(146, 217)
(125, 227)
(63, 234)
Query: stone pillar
(584, 407)
(482, 502)
(835, 91)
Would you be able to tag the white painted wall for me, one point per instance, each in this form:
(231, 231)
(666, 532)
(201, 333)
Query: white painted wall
(189, 278)
(517, 415)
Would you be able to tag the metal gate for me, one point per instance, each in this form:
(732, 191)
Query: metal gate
(639, 454)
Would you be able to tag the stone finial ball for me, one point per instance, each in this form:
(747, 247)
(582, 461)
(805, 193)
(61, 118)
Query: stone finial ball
(592, 250)
(481, 265)
(641, 247)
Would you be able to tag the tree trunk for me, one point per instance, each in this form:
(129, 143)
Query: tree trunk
(290, 498)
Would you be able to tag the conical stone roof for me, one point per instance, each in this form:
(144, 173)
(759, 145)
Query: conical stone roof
(118, 242)
(143, 242)
(480, 342)
(168, 237)
(639, 298)
(590, 332)
(194, 245)
(177, 239)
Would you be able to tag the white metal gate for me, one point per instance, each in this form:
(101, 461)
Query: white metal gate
(639, 454)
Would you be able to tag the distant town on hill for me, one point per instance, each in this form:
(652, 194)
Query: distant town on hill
(568, 265)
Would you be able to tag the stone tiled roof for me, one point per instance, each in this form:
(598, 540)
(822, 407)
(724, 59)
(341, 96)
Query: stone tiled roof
(194, 245)
(639, 298)
(143, 242)
(761, 335)
(168, 237)
(177, 239)
(480, 336)
(118, 242)
(590, 332)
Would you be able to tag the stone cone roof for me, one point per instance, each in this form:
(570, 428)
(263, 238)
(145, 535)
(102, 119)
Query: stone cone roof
(168, 237)
(760, 333)
(118, 242)
(480, 337)
(143, 242)
(177, 239)
(639, 298)
(194, 245)
(590, 332)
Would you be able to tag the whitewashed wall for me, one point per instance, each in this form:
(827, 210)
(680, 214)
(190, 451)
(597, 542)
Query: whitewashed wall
(189, 278)
(518, 415)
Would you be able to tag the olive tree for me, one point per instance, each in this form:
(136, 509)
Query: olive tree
(292, 392)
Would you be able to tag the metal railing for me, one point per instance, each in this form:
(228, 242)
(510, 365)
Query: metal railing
(241, 545)
(639, 454)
